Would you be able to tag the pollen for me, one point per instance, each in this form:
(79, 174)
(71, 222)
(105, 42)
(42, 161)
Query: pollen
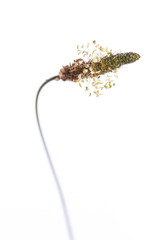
(101, 49)
(85, 70)
(95, 59)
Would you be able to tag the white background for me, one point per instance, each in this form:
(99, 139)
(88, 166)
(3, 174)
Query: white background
(105, 150)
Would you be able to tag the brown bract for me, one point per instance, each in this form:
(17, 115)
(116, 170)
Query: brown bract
(72, 71)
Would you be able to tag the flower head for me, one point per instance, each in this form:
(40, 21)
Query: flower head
(99, 62)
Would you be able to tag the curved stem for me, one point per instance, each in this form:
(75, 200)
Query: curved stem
(63, 202)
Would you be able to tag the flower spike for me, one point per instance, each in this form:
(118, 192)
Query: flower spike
(100, 62)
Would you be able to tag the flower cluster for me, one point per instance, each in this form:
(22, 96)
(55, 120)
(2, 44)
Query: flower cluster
(88, 71)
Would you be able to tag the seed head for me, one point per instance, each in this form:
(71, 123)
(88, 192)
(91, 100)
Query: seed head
(99, 62)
